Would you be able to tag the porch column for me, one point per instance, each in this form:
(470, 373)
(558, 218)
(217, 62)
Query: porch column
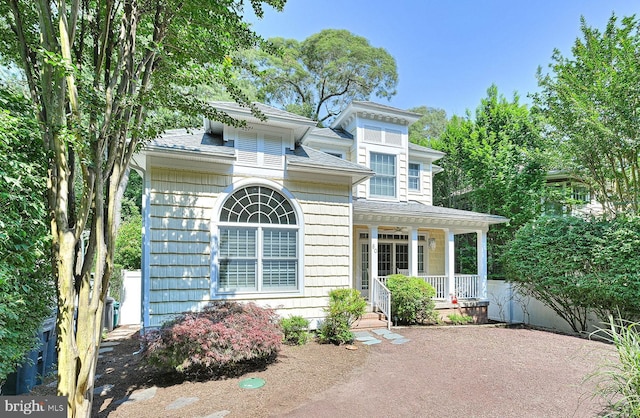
(413, 252)
(373, 262)
(449, 257)
(481, 247)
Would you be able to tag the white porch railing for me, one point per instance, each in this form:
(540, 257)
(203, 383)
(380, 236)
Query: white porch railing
(467, 286)
(381, 298)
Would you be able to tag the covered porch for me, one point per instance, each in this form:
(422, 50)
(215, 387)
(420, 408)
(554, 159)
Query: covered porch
(418, 240)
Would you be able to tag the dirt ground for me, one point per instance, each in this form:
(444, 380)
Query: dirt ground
(474, 371)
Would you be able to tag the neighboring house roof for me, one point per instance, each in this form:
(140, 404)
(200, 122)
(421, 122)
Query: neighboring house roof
(417, 213)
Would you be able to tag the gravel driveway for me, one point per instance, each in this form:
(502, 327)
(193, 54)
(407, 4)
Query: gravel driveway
(468, 371)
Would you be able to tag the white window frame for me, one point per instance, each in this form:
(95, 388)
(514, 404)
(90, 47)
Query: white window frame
(418, 179)
(218, 257)
(393, 177)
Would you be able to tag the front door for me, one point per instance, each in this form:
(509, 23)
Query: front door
(385, 259)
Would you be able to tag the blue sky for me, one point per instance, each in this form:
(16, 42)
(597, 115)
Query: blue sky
(448, 52)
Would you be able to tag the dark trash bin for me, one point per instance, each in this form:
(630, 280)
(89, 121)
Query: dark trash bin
(38, 363)
(107, 317)
(116, 313)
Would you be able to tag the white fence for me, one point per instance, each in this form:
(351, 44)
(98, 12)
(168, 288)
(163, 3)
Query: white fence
(508, 305)
(130, 305)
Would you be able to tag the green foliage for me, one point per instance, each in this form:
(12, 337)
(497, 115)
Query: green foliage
(132, 197)
(321, 75)
(576, 266)
(116, 283)
(494, 164)
(128, 253)
(619, 382)
(345, 307)
(26, 285)
(225, 339)
(590, 103)
(460, 319)
(412, 299)
(295, 329)
(429, 127)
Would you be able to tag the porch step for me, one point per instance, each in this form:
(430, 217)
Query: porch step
(371, 320)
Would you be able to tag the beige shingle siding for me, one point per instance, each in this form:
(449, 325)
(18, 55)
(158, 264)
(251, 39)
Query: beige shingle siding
(181, 208)
(436, 257)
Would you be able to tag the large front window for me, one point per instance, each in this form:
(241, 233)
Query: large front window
(258, 249)
(383, 184)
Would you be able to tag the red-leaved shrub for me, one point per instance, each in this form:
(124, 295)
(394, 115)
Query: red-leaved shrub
(224, 339)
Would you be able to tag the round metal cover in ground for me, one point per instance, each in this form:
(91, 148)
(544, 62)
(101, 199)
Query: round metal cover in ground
(252, 383)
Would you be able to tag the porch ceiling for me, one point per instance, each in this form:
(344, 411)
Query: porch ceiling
(418, 214)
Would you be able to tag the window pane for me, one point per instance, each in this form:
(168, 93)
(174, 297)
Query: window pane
(237, 242)
(414, 176)
(237, 275)
(384, 182)
(279, 274)
(279, 243)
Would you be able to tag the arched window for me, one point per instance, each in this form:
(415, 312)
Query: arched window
(258, 245)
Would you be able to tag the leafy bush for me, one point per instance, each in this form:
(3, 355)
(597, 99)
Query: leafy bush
(128, 251)
(412, 299)
(345, 307)
(224, 339)
(295, 329)
(460, 319)
(27, 288)
(619, 382)
(576, 266)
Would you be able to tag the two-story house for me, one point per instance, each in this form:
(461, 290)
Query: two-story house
(280, 212)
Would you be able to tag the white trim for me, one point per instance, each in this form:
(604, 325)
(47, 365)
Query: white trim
(215, 233)
(146, 249)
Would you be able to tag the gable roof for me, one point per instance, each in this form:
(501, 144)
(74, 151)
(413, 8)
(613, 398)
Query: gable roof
(275, 117)
(198, 145)
(192, 144)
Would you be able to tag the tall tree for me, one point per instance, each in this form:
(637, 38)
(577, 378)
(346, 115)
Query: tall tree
(319, 76)
(95, 69)
(592, 104)
(429, 127)
(494, 164)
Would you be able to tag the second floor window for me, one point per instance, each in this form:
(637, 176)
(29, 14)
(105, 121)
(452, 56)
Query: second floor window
(383, 184)
(414, 176)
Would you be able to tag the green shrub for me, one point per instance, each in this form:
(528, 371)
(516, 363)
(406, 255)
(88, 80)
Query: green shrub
(459, 319)
(345, 307)
(577, 266)
(619, 382)
(224, 339)
(295, 329)
(27, 287)
(412, 300)
(128, 251)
